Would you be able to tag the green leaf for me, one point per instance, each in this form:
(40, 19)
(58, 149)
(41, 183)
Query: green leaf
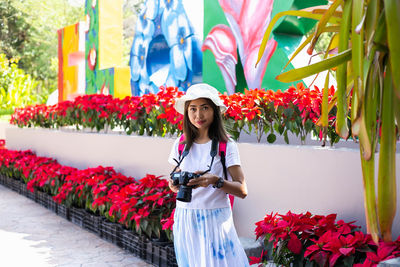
(397, 111)
(271, 138)
(368, 170)
(301, 73)
(387, 162)
(288, 112)
(285, 135)
(280, 129)
(348, 261)
(392, 9)
(322, 23)
(324, 105)
(341, 74)
(298, 13)
(357, 42)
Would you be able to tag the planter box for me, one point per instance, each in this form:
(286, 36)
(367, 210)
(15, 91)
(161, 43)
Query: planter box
(63, 211)
(51, 204)
(29, 194)
(7, 182)
(157, 253)
(2, 179)
(93, 223)
(15, 185)
(111, 232)
(77, 216)
(133, 243)
(41, 198)
(171, 256)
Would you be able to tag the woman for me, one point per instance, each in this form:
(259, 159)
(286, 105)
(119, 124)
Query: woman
(204, 234)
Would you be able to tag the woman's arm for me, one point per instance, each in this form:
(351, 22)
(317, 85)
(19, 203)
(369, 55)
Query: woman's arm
(236, 187)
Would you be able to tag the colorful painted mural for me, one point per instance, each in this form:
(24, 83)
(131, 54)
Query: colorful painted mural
(241, 24)
(168, 47)
(104, 71)
(71, 49)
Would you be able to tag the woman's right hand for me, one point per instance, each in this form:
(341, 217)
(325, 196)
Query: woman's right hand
(174, 188)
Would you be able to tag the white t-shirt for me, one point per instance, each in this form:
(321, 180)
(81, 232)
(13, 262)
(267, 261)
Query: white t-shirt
(199, 159)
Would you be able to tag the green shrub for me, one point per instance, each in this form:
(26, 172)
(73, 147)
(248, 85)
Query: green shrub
(17, 89)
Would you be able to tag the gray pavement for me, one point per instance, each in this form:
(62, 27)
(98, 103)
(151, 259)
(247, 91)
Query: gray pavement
(31, 235)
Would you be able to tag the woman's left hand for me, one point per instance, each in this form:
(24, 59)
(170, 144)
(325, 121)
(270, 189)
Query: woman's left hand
(203, 181)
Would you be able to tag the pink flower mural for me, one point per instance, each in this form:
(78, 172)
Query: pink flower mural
(248, 20)
(221, 42)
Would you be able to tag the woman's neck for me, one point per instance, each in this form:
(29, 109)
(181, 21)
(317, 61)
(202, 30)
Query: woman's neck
(202, 138)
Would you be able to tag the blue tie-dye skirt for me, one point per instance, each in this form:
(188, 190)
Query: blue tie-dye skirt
(207, 238)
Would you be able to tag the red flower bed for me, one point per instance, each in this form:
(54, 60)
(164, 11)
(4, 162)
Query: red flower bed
(149, 202)
(295, 110)
(304, 239)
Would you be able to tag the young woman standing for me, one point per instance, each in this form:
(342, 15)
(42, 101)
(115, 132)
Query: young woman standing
(204, 233)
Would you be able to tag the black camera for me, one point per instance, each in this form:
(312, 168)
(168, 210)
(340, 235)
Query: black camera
(182, 178)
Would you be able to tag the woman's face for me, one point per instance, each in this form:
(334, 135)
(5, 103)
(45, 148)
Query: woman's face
(200, 113)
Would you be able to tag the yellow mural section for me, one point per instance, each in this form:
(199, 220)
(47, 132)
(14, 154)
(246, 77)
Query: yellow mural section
(73, 78)
(122, 77)
(70, 71)
(110, 34)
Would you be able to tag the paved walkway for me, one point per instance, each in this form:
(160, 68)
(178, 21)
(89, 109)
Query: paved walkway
(31, 235)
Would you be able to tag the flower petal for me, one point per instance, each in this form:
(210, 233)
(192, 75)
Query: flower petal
(169, 26)
(294, 244)
(188, 51)
(135, 68)
(152, 9)
(178, 64)
(183, 22)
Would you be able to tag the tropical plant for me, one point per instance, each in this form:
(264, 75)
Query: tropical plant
(17, 89)
(364, 52)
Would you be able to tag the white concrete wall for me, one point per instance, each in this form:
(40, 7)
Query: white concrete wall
(3, 126)
(279, 177)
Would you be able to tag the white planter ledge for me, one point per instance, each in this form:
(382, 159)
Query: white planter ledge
(279, 177)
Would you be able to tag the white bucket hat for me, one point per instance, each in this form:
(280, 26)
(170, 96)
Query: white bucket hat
(196, 91)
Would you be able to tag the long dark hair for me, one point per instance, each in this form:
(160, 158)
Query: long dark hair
(216, 130)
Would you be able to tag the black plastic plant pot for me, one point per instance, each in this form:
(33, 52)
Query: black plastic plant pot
(41, 198)
(8, 182)
(77, 216)
(51, 204)
(63, 211)
(15, 185)
(133, 243)
(171, 256)
(156, 254)
(30, 195)
(112, 232)
(93, 223)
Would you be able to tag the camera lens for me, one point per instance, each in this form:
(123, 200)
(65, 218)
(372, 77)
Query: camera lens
(184, 194)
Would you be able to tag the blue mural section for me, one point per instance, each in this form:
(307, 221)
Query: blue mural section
(165, 50)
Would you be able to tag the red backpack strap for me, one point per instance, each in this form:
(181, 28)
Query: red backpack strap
(222, 148)
(222, 154)
(181, 145)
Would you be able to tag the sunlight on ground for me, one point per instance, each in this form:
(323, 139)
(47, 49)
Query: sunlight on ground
(16, 250)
